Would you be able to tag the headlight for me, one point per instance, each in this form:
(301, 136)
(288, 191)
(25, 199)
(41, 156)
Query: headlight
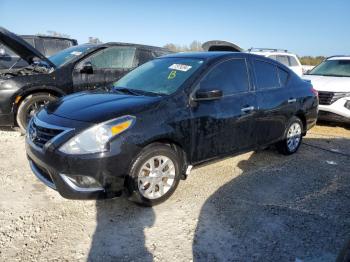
(96, 138)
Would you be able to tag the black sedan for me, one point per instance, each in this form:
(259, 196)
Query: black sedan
(164, 117)
(84, 67)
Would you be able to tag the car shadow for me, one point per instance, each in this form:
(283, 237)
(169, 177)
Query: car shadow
(280, 208)
(8, 129)
(119, 234)
(333, 124)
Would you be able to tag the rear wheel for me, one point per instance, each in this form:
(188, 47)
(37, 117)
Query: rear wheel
(154, 175)
(293, 137)
(29, 106)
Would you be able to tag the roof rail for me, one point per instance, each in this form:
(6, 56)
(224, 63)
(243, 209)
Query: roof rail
(252, 49)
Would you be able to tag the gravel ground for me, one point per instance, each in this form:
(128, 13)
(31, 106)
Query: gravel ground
(258, 206)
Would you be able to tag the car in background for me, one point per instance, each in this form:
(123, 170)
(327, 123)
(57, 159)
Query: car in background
(47, 45)
(281, 55)
(83, 67)
(164, 117)
(331, 79)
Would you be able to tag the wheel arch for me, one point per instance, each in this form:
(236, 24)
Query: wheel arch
(301, 116)
(176, 146)
(18, 99)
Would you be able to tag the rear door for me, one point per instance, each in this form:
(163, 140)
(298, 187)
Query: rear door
(226, 125)
(276, 101)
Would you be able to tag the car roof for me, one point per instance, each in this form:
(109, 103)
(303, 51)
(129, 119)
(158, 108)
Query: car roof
(49, 37)
(204, 54)
(271, 53)
(339, 57)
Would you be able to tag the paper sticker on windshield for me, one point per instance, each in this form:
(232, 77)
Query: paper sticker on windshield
(180, 67)
(76, 53)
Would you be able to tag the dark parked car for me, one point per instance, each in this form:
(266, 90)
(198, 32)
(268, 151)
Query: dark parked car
(164, 117)
(84, 67)
(47, 45)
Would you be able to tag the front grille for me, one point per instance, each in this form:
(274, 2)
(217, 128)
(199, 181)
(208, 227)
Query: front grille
(328, 98)
(40, 135)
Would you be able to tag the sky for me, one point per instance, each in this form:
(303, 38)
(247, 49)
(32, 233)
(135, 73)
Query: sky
(303, 27)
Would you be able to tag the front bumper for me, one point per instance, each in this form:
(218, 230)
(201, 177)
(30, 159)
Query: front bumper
(6, 103)
(54, 168)
(337, 111)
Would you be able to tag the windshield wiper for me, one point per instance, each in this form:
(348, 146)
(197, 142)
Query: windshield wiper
(135, 92)
(125, 91)
(335, 75)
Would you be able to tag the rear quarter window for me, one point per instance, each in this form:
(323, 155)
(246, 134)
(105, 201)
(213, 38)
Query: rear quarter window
(283, 59)
(293, 61)
(266, 75)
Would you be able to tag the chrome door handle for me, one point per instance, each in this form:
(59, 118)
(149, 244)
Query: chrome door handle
(247, 109)
(291, 100)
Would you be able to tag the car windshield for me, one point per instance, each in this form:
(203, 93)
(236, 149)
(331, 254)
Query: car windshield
(68, 54)
(160, 76)
(332, 67)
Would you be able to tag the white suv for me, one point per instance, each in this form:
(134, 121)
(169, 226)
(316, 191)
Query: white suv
(283, 56)
(331, 79)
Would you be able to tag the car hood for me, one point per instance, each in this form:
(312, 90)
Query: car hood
(101, 106)
(329, 83)
(21, 47)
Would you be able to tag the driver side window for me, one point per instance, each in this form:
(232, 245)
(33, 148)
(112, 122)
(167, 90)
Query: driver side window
(230, 77)
(118, 57)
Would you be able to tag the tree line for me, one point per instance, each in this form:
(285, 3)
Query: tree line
(197, 46)
(193, 47)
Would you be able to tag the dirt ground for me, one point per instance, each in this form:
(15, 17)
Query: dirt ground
(258, 206)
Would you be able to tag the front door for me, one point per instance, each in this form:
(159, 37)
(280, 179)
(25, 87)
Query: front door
(226, 125)
(108, 65)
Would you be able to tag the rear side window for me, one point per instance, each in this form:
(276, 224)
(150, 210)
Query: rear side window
(266, 75)
(283, 75)
(53, 46)
(293, 61)
(230, 77)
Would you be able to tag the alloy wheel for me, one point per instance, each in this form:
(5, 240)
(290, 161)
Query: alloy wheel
(294, 136)
(156, 177)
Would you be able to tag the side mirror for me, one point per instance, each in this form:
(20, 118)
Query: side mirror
(208, 95)
(87, 68)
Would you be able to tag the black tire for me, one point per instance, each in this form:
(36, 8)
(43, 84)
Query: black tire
(282, 146)
(132, 183)
(25, 109)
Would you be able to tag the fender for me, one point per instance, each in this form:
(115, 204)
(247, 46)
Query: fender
(18, 98)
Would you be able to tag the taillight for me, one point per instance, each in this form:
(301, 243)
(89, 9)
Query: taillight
(314, 91)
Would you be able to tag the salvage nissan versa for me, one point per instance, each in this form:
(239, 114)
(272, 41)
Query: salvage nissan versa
(164, 117)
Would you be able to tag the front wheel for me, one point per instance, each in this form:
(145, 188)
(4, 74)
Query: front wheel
(29, 106)
(293, 137)
(154, 175)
